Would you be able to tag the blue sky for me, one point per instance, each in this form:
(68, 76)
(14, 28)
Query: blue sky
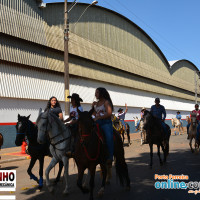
(174, 25)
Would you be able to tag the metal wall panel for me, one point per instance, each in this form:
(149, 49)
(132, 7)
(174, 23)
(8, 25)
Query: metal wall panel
(21, 82)
(101, 36)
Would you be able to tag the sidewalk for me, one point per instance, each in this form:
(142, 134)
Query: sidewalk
(12, 154)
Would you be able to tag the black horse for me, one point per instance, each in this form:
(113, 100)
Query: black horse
(155, 135)
(27, 129)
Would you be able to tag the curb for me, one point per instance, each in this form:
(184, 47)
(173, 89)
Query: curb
(14, 159)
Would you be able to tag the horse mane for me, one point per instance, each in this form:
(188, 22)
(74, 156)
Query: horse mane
(61, 126)
(155, 120)
(39, 117)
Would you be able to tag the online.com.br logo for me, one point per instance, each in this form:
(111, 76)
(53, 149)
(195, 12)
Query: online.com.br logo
(176, 182)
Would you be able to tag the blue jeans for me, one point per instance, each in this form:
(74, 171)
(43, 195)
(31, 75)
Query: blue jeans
(106, 126)
(123, 123)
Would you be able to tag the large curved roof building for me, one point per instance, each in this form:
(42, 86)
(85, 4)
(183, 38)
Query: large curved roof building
(105, 49)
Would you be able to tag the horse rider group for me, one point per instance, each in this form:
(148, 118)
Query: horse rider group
(102, 110)
(197, 111)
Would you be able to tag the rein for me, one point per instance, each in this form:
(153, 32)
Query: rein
(60, 141)
(98, 148)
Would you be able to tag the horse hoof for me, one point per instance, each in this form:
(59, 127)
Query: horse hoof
(85, 190)
(51, 189)
(65, 192)
(101, 192)
(128, 188)
(40, 187)
(107, 182)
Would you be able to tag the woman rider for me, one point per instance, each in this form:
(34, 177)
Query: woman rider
(103, 109)
(53, 106)
(73, 118)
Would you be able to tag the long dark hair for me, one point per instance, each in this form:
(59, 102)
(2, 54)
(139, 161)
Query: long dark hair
(49, 103)
(104, 93)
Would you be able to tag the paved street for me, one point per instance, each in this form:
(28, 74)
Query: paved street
(180, 161)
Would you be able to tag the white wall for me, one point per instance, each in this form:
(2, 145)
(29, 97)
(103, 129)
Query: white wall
(21, 88)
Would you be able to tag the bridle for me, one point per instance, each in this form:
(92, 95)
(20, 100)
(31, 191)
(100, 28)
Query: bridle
(51, 138)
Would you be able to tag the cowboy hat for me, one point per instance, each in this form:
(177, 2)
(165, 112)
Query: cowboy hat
(143, 108)
(120, 109)
(75, 96)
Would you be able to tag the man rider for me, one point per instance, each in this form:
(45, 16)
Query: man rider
(159, 112)
(197, 111)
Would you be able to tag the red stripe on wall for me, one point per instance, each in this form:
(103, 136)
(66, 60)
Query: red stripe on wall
(14, 123)
(9, 124)
(134, 120)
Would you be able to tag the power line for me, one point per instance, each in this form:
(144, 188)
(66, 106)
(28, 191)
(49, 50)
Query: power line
(99, 53)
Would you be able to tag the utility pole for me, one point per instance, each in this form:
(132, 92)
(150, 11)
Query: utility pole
(66, 58)
(195, 82)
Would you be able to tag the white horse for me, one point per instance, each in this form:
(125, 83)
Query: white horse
(176, 124)
(59, 136)
(193, 131)
(136, 120)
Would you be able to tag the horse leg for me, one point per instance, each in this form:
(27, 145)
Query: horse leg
(29, 171)
(123, 136)
(191, 145)
(158, 153)
(141, 137)
(175, 130)
(92, 176)
(80, 179)
(104, 173)
(66, 174)
(129, 139)
(41, 160)
(59, 172)
(165, 151)
(53, 162)
(151, 154)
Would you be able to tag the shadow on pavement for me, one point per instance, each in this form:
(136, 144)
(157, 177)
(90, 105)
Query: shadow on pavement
(142, 180)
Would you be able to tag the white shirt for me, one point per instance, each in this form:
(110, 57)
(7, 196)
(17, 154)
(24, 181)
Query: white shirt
(74, 113)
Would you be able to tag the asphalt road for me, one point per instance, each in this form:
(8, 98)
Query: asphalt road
(180, 161)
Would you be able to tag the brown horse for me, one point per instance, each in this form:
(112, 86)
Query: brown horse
(91, 150)
(193, 132)
(155, 135)
(1, 141)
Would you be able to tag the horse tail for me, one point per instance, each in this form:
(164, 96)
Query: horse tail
(167, 139)
(120, 163)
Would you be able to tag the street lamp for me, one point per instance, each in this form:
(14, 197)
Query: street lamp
(93, 3)
(66, 56)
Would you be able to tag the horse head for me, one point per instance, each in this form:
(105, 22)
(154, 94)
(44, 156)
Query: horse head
(148, 118)
(21, 129)
(85, 122)
(42, 123)
(193, 119)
